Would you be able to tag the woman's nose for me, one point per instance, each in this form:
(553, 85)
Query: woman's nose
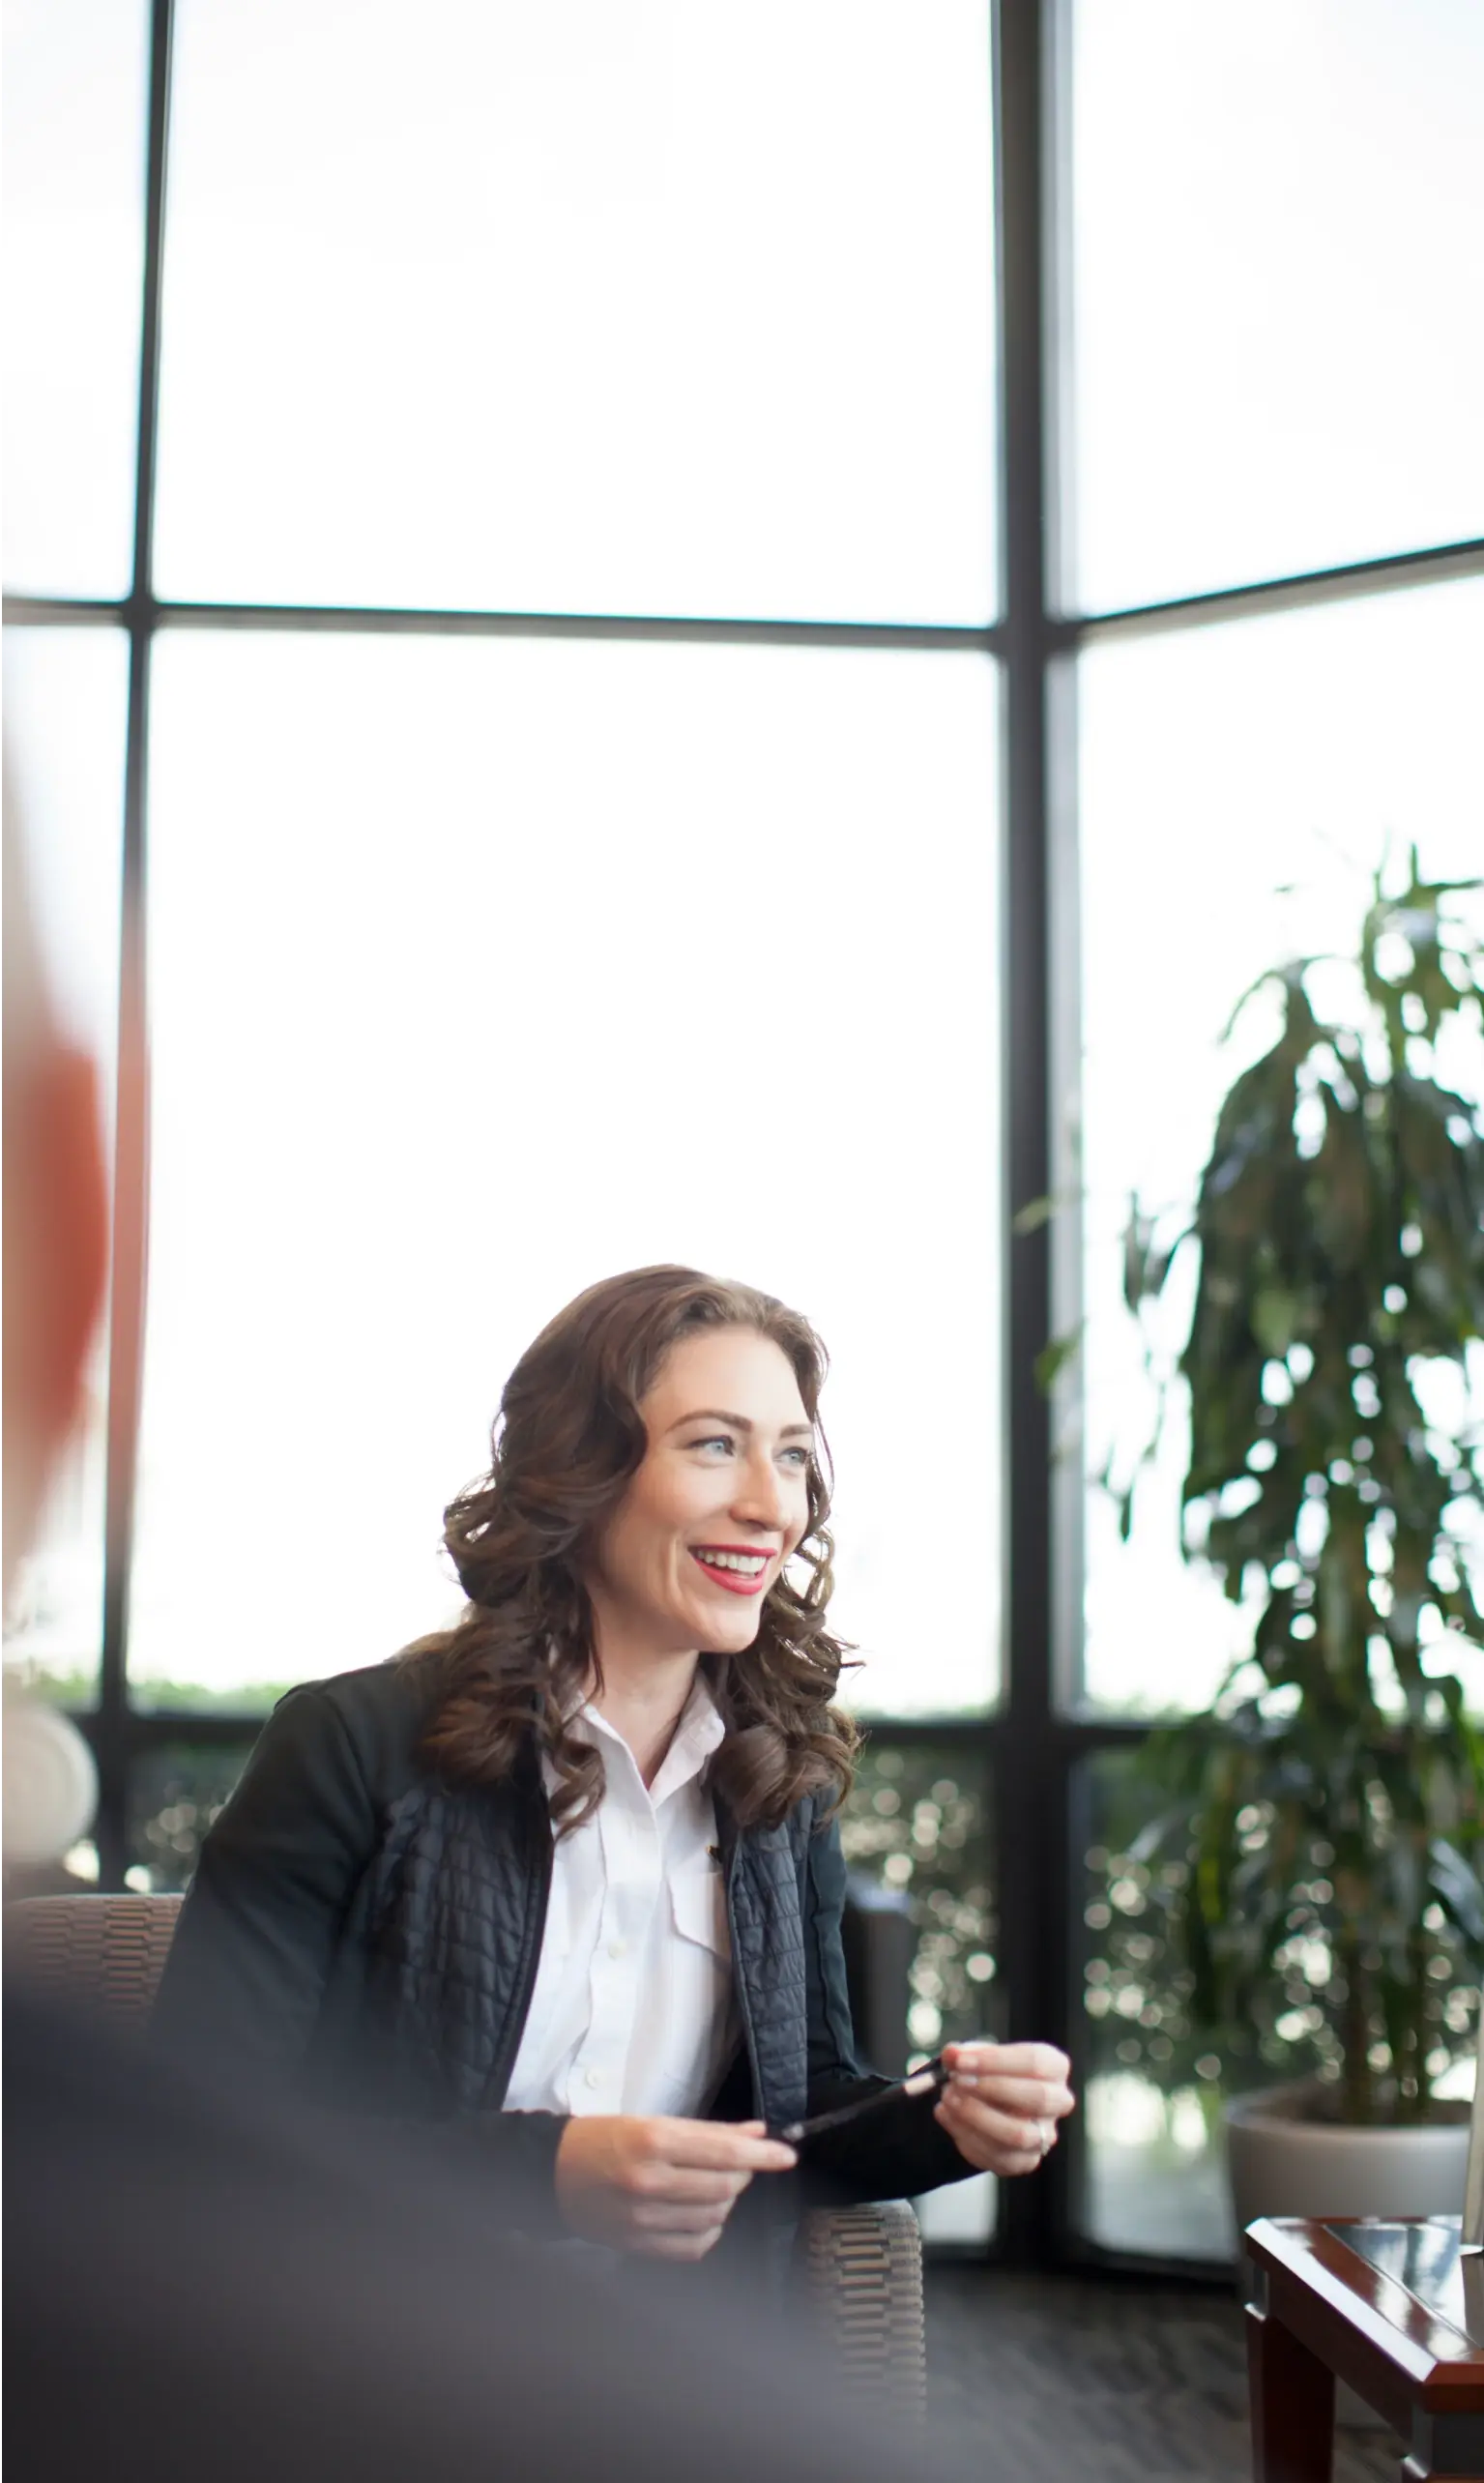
(759, 1496)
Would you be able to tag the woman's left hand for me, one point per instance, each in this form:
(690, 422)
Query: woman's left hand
(1002, 2103)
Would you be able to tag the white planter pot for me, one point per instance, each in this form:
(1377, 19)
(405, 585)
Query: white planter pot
(1280, 2164)
(1283, 2164)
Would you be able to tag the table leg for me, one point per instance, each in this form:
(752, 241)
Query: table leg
(1292, 2406)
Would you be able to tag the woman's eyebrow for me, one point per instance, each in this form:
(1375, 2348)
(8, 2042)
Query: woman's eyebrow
(741, 1422)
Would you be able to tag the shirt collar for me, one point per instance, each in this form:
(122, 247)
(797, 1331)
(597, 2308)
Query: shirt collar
(700, 1732)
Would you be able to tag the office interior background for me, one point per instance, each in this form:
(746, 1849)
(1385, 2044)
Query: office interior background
(659, 631)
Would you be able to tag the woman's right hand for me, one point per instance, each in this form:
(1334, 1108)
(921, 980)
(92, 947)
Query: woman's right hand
(658, 2186)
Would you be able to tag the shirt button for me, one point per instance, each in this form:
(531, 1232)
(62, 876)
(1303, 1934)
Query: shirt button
(618, 1948)
(595, 2078)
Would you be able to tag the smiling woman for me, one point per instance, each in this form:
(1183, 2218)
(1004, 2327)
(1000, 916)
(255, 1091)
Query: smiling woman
(611, 1473)
(568, 1873)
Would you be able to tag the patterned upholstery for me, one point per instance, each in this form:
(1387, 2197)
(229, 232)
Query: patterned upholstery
(861, 2267)
(106, 1951)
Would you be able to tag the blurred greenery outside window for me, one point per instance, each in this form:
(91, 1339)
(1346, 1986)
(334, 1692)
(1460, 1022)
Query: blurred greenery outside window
(1154, 2082)
(917, 1823)
(1153, 2174)
(175, 1792)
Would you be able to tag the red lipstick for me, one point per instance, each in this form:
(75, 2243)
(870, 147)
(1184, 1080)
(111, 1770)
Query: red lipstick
(737, 1582)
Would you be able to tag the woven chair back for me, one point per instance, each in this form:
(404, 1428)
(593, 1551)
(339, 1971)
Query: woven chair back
(102, 1953)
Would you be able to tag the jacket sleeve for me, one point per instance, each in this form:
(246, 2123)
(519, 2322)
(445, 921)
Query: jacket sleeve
(894, 2153)
(250, 1962)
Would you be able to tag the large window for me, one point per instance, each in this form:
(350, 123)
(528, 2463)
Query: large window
(509, 963)
(1276, 213)
(611, 658)
(74, 169)
(1273, 217)
(1241, 787)
(580, 306)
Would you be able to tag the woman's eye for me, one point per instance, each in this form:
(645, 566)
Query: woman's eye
(720, 1441)
(798, 1458)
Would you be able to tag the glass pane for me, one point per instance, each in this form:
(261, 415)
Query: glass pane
(489, 968)
(1154, 2177)
(678, 310)
(75, 134)
(1239, 787)
(917, 1829)
(174, 1794)
(1278, 222)
(66, 701)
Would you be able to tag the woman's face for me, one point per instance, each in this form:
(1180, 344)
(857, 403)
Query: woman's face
(718, 1503)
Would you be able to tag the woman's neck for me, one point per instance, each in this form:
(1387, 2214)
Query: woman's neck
(644, 1698)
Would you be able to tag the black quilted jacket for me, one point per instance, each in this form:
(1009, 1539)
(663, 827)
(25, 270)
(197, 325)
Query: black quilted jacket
(360, 1931)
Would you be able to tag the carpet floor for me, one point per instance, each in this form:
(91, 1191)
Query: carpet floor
(1114, 2383)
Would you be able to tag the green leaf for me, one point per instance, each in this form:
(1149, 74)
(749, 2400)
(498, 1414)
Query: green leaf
(1041, 1211)
(1145, 1266)
(1274, 1320)
(1457, 1888)
(1053, 1358)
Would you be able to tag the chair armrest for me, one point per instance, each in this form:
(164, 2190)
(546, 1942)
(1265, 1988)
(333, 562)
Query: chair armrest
(861, 2272)
(105, 1954)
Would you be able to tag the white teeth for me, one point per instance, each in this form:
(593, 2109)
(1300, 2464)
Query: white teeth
(752, 1564)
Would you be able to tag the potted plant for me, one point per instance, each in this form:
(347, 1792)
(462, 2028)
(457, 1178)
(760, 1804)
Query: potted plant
(1318, 1861)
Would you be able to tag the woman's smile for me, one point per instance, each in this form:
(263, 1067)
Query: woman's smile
(729, 1566)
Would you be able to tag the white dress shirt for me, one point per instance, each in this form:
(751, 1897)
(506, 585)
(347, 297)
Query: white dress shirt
(633, 2010)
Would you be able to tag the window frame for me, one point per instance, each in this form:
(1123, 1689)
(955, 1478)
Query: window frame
(1031, 1746)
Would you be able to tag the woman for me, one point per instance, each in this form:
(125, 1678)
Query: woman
(569, 1871)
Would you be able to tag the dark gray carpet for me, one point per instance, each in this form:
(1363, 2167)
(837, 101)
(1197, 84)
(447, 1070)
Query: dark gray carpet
(1111, 2382)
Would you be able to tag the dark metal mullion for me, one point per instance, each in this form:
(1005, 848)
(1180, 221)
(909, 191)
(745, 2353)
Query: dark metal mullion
(154, 1728)
(1435, 565)
(912, 637)
(146, 1729)
(65, 612)
(130, 1194)
(1393, 572)
(1030, 1822)
(1431, 564)
(1075, 1737)
(661, 628)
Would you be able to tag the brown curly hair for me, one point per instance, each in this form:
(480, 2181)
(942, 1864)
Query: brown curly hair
(569, 1435)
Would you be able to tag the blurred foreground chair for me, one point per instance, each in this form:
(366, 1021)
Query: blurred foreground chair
(861, 2267)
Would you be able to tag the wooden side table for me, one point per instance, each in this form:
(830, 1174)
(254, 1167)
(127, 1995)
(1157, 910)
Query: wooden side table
(1392, 2308)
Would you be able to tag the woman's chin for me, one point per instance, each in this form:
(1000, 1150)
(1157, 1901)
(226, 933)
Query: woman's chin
(729, 1632)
